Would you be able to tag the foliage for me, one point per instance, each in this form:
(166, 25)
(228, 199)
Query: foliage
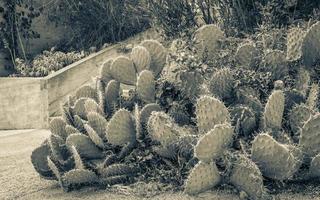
(16, 17)
(94, 23)
(46, 63)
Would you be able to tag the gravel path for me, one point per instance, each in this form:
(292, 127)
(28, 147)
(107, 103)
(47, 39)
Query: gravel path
(18, 180)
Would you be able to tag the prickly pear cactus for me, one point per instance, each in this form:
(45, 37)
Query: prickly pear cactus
(84, 145)
(246, 176)
(244, 118)
(105, 74)
(79, 108)
(120, 129)
(158, 55)
(309, 138)
(247, 56)
(302, 81)
(311, 45)
(212, 145)
(273, 112)
(275, 160)
(86, 91)
(57, 126)
(161, 128)
(122, 69)
(298, 116)
(91, 105)
(146, 88)
(112, 95)
(98, 123)
(207, 40)
(294, 43)
(210, 112)
(222, 83)
(146, 111)
(314, 169)
(39, 161)
(275, 62)
(95, 138)
(141, 58)
(312, 99)
(77, 177)
(203, 176)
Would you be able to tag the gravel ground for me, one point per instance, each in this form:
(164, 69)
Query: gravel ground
(18, 180)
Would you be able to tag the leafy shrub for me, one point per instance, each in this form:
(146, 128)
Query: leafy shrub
(46, 63)
(100, 21)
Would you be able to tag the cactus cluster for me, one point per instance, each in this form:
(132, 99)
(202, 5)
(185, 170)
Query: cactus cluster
(247, 126)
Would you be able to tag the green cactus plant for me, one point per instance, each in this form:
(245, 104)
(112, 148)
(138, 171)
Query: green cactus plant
(112, 93)
(141, 58)
(203, 176)
(275, 62)
(221, 84)
(122, 69)
(86, 91)
(146, 86)
(57, 126)
(212, 144)
(247, 56)
(98, 123)
(294, 43)
(158, 55)
(311, 46)
(39, 161)
(95, 138)
(309, 138)
(312, 99)
(302, 81)
(105, 74)
(297, 117)
(210, 112)
(244, 118)
(275, 160)
(273, 112)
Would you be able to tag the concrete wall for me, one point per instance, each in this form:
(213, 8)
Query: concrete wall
(30, 102)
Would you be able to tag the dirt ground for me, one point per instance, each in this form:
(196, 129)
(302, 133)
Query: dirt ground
(18, 180)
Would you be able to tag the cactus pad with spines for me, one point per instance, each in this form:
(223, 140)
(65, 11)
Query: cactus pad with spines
(294, 44)
(54, 169)
(39, 161)
(146, 111)
(98, 123)
(246, 55)
(314, 169)
(122, 70)
(146, 87)
(161, 128)
(245, 118)
(311, 45)
(57, 126)
(212, 145)
(112, 95)
(275, 62)
(79, 123)
(273, 112)
(78, 177)
(79, 108)
(298, 116)
(84, 145)
(222, 83)
(95, 138)
(210, 111)
(310, 136)
(70, 130)
(207, 40)
(91, 105)
(120, 129)
(312, 99)
(78, 162)
(56, 144)
(302, 81)
(203, 177)
(246, 176)
(158, 55)
(141, 58)
(275, 160)
(105, 74)
(86, 91)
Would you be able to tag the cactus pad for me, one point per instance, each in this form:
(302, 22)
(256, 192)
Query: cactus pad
(58, 150)
(79, 123)
(78, 177)
(105, 74)
(158, 55)
(302, 81)
(298, 116)
(314, 168)
(79, 108)
(39, 161)
(275, 62)
(120, 129)
(122, 70)
(112, 93)
(310, 136)
(161, 128)
(246, 56)
(210, 111)
(207, 40)
(146, 111)
(202, 177)
(294, 44)
(141, 58)
(86, 91)
(244, 117)
(95, 138)
(311, 45)
(246, 176)
(91, 105)
(78, 162)
(146, 88)
(212, 145)
(98, 123)
(57, 126)
(84, 145)
(222, 83)
(273, 111)
(275, 160)
(312, 99)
